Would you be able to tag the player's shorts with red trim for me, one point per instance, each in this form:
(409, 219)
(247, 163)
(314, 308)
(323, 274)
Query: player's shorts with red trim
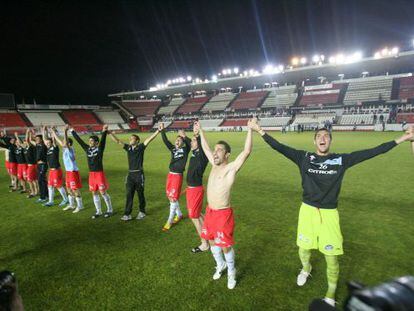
(73, 180)
(97, 181)
(21, 171)
(55, 178)
(31, 172)
(173, 187)
(195, 197)
(219, 226)
(12, 168)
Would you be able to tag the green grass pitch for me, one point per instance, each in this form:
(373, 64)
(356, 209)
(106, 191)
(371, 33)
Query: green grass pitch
(68, 261)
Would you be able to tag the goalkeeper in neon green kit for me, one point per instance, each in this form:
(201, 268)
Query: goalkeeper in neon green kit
(322, 173)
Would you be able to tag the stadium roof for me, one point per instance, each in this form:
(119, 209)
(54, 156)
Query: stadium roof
(403, 62)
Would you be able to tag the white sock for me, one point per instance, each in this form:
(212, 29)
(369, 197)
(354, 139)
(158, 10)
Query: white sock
(218, 255)
(108, 202)
(51, 194)
(79, 202)
(71, 200)
(173, 206)
(62, 192)
(97, 202)
(230, 260)
(177, 210)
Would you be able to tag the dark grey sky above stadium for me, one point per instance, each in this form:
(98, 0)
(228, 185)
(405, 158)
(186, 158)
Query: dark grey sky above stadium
(62, 52)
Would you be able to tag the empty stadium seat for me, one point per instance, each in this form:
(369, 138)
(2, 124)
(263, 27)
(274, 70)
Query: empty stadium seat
(234, 122)
(324, 94)
(109, 117)
(45, 118)
(211, 123)
(280, 97)
(82, 120)
(352, 119)
(180, 125)
(248, 100)
(141, 107)
(11, 119)
(275, 121)
(219, 102)
(192, 105)
(367, 89)
(405, 117)
(171, 107)
(406, 89)
(313, 118)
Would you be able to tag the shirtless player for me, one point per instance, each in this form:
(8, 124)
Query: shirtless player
(219, 222)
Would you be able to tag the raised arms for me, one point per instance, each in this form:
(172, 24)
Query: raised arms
(151, 138)
(169, 145)
(29, 137)
(356, 157)
(56, 137)
(204, 144)
(242, 157)
(79, 140)
(116, 139)
(16, 135)
(102, 143)
(291, 153)
(44, 132)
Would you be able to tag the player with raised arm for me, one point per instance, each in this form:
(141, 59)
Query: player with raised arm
(322, 174)
(21, 163)
(6, 164)
(135, 179)
(179, 154)
(73, 179)
(41, 161)
(195, 190)
(97, 179)
(9, 143)
(218, 223)
(31, 171)
(55, 178)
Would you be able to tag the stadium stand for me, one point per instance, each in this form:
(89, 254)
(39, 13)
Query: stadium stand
(406, 88)
(45, 118)
(405, 117)
(352, 119)
(82, 120)
(175, 125)
(109, 117)
(325, 94)
(219, 102)
(280, 97)
(171, 107)
(212, 123)
(234, 122)
(141, 107)
(166, 124)
(192, 105)
(274, 122)
(369, 89)
(248, 100)
(313, 118)
(12, 119)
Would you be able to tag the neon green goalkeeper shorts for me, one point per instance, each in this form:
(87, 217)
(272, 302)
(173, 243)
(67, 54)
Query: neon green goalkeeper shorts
(319, 228)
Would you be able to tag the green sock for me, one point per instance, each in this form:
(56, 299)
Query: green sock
(332, 273)
(304, 255)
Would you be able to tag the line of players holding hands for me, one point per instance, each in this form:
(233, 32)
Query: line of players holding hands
(321, 171)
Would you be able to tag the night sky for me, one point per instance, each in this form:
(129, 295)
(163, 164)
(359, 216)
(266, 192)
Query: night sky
(61, 52)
